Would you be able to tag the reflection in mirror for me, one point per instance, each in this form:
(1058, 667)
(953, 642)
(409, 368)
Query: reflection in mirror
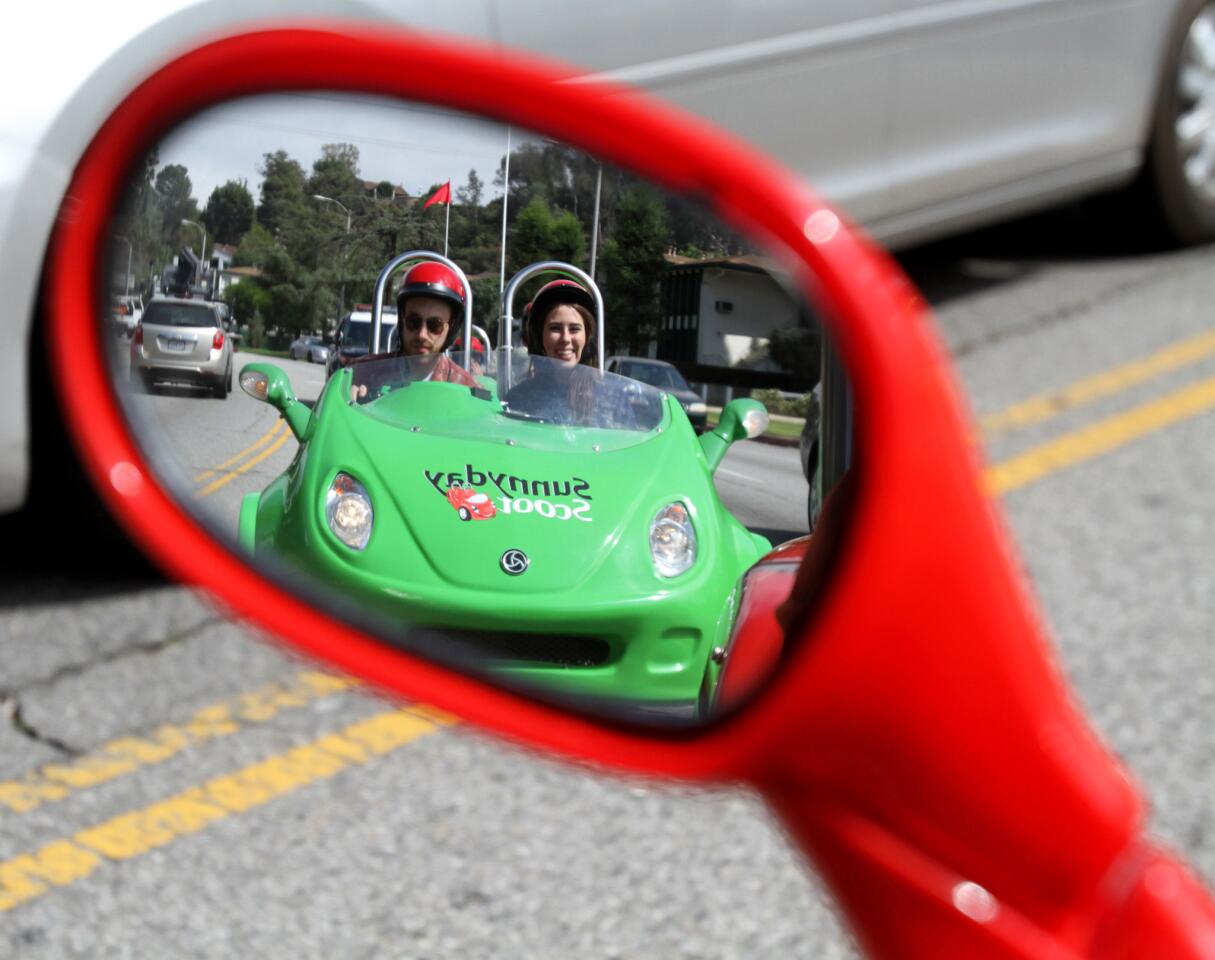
(541, 480)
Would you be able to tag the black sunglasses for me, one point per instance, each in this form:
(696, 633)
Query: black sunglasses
(413, 323)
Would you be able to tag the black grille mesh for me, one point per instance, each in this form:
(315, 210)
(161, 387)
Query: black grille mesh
(482, 645)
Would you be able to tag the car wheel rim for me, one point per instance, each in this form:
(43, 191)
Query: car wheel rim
(1195, 127)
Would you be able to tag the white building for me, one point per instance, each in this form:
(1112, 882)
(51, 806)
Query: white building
(718, 315)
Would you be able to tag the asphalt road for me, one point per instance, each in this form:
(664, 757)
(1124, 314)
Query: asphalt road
(431, 841)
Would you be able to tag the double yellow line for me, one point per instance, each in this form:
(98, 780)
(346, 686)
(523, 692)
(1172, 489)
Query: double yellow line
(234, 466)
(67, 860)
(1110, 433)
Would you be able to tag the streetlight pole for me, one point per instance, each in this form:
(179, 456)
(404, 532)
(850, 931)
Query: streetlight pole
(342, 262)
(202, 259)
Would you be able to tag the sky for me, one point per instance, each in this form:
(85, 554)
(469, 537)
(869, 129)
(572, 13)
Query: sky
(411, 145)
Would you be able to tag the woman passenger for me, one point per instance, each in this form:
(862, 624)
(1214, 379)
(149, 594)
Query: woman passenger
(559, 326)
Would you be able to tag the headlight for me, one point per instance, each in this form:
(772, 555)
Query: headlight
(348, 510)
(672, 540)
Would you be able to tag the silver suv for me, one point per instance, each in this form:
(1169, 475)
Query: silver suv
(182, 341)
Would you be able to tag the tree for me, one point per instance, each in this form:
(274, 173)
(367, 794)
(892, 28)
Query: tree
(567, 242)
(798, 349)
(229, 212)
(173, 192)
(249, 302)
(532, 235)
(282, 191)
(470, 195)
(633, 268)
(254, 248)
(284, 307)
(141, 224)
(336, 173)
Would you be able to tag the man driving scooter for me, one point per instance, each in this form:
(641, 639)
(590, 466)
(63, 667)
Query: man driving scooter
(429, 303)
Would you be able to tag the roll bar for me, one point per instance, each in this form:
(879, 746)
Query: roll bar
(567, 270)
(381, 283)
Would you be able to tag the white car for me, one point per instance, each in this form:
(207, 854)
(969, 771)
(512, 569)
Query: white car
(918, 117)
(127, 312)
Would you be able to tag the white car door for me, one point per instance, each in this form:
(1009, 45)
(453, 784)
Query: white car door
(999, 101)
(807, 81)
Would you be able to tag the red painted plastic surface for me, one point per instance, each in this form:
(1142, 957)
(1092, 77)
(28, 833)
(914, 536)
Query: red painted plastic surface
(757, 640)
(918, 741)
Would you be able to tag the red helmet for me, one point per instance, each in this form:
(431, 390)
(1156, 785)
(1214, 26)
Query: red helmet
(548, 296)
(430, 279)
(476, 345)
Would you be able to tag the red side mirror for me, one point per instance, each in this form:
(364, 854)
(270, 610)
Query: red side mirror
(917, 738)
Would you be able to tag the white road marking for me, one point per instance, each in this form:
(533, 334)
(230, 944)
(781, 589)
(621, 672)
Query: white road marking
(734, 473)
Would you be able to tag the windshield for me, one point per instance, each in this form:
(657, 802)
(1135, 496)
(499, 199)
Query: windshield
(534, 401)
(166, 314)
(656, 375)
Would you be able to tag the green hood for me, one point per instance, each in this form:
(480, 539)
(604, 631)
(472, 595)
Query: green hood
(575, 501)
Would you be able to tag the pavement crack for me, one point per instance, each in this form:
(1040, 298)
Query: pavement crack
(1069, 310)
(11, 707)
(141, 648)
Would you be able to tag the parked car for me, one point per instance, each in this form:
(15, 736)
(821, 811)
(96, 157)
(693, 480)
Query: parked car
(353, 336)
(182, 341)
(230, 325)
(312, 349)
(667, 378)
(126, 313)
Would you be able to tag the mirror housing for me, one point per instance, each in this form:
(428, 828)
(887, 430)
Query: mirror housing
(268, 383)
(741, 419)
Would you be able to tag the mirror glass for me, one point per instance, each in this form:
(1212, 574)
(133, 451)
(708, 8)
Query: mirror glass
(541, 473)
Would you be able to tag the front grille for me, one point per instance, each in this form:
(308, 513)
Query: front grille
(483, 645)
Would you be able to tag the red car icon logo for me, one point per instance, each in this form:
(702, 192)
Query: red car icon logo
(470, 504)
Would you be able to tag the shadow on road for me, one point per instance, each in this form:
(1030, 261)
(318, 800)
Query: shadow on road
(46, 562)
(1101, 228)
(777, 537)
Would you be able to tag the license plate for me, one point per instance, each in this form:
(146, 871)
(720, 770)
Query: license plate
(181, 346)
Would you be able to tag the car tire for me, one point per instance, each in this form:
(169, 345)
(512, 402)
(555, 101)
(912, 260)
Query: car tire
(220, 390)
(465, 513)
(1181, 192)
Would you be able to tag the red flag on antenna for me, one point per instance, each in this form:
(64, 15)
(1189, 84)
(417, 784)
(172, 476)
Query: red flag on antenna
(442, 195)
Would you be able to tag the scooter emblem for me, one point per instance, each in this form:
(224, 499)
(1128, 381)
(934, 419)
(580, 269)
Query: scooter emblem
(514, 562)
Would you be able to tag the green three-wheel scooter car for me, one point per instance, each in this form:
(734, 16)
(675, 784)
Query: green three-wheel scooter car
(560, 525)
